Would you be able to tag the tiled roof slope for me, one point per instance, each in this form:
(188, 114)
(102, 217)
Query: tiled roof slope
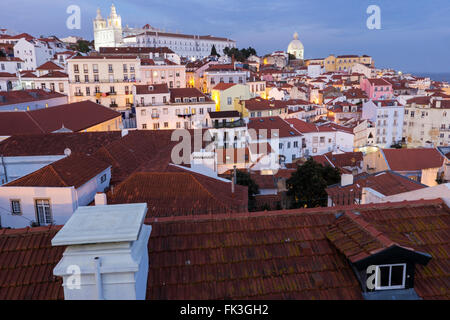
(74, 170)
(179, 194)
(413, 159)
(424, 229)
(286, 255)
(27, 259)
(74, 116)
(387, 183)
(56, 143)
(258, 255)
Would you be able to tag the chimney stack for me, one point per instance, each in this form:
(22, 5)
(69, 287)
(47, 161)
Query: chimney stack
(106, 256)
(346, 179)
(100, 199)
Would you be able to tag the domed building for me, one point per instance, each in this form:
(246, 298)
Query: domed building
(296, 48)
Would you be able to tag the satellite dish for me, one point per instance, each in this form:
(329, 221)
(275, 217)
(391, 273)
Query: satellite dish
(67, 152)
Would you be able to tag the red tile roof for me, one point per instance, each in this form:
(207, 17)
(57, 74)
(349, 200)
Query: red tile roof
(72, 116)
(387, 183)
(179, 193)
(413, 159)
(27, 259)
(55, 143)
(49, 65)
(379, 82)
(74, 170)
(258, 255)
(187, 93)
(23, 96)
(152, 89)
(271, 124)
(224, 86)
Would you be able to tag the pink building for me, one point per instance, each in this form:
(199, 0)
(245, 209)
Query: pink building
(377, 88)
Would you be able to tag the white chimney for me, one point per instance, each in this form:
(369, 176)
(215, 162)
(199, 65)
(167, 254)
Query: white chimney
(106, 255)
(438, 103)
(346, 179)
(100, 199)
(124, 132)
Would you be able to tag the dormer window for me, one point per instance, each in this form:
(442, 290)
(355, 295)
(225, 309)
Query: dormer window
(390, 276)
(194, 99)
(178, 100)
(150, 88)
(185, 99)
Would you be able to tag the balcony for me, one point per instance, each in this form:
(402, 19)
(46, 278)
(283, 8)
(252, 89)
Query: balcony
(113, 105)
(112, 93)
(78, 94)
(234, 124)
(155, 115)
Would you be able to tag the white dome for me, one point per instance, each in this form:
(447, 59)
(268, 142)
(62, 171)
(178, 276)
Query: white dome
(296, 47)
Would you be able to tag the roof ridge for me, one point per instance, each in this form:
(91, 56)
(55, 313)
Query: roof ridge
(207, 191)
(58, 175)
(310, 211)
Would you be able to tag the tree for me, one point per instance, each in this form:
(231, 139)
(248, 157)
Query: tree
(307, 185)
(243, 179)
(239, 55)
(214, 51)
(82, 46)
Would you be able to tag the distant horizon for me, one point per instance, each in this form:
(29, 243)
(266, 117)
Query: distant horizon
(413, 35)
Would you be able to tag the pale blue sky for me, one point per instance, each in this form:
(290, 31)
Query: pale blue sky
(415, 35)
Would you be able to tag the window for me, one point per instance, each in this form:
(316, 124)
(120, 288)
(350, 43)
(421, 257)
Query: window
(144, 126)
(75, 68)
(43, 212)
(156, 126)
(15, 207)
(166, 124)
(390, 276)
(143, 112)
(103, 178)
(229, 100)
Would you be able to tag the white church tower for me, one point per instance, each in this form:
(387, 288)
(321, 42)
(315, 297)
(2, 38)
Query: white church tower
(108, 33)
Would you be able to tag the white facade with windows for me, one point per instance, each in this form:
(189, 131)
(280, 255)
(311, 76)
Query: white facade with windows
(104, 80)
(387, 117)
(21, 206)
(33, 53)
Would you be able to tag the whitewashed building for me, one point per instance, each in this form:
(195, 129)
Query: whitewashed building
(51, 194)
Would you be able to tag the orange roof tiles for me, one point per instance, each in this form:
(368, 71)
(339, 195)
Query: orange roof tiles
(259, 255)
(74, 170)
(413, 159)
(387, 183)
(71, 116)
(55, 143)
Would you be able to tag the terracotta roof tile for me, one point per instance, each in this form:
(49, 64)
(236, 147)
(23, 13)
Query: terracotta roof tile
(413, 159)
(74, 170)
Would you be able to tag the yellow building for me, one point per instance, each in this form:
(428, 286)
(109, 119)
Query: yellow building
(345, 62)
(259, 107)
(225, 94)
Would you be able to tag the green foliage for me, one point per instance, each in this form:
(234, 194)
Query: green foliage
(82, 46)
(214, 51)
(239, 55)
(244, 179)
(307, 185)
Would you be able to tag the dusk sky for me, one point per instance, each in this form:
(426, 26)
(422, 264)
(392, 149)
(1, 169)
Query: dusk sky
(414, 35)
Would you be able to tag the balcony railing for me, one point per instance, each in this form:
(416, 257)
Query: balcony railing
(155, 115)
(113, 105)
(78, 94)
(234, 124)
(112, 93)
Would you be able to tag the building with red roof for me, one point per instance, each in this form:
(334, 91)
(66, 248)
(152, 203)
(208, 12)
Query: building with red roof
(51, 194)
(303, 254)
